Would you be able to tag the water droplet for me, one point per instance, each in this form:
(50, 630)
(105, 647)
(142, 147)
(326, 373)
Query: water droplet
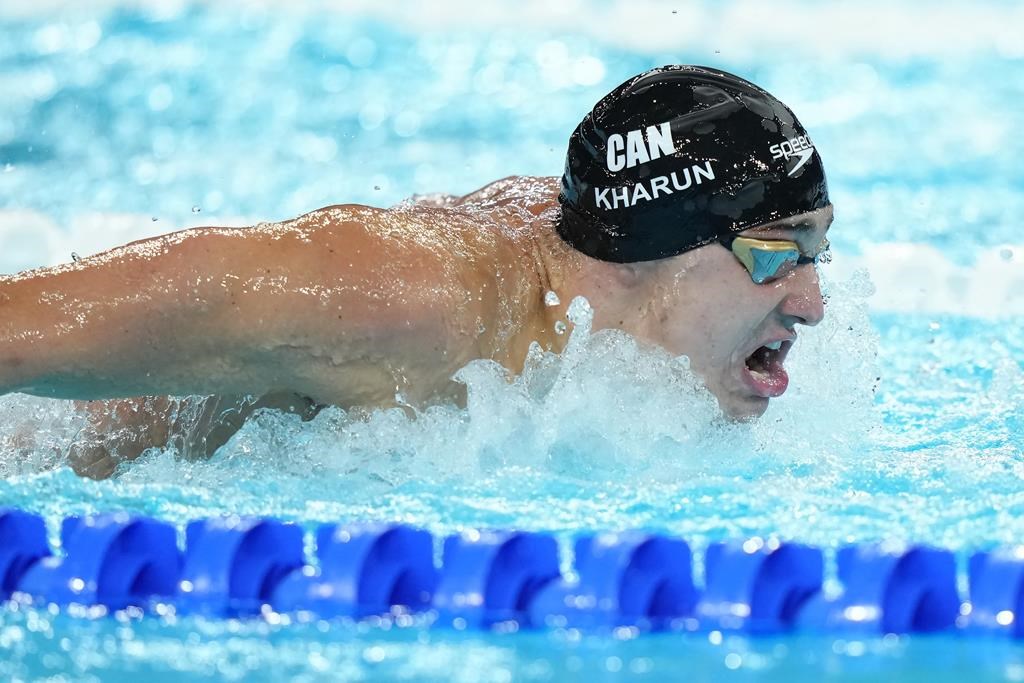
(933, 326)
(376, 187)
(196, 209)
(551, 299)
(154, 219)
(1006, 254)
(580, 311)
(75, 257)
(560, 327)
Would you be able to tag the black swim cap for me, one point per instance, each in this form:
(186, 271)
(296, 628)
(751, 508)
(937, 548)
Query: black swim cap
(678, 157)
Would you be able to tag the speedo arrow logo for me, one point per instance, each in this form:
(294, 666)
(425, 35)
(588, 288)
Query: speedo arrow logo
(800, 147)
(805, 156)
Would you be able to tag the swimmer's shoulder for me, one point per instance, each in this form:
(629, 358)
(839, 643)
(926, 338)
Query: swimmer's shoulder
(534, 194)
(475, 236)
(434, 246)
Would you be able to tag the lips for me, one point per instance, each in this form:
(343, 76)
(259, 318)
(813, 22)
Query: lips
(763, 373)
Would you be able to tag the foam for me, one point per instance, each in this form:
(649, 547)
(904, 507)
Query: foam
(920, 278)
(606, 407)
(613, 434)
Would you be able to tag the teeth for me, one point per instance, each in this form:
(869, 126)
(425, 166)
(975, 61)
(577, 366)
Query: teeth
(774, 346)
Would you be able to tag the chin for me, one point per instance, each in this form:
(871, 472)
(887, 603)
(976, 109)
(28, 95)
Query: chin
(743, 409)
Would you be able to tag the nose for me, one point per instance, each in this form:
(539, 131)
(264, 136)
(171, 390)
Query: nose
(803, 302)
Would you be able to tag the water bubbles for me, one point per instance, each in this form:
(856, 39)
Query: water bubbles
(196, 209)
(552, 55)
(361, 52)
(50, 39)
(336, 78)
(588, 70)
(88, 36)
(144, 170)
(560, 327)
(580, 312)
(160, 97)
(75, 258)
(374, 654)
(551, 299)
(41, 85)
(406, 124)
(825, 255)
(317, 148)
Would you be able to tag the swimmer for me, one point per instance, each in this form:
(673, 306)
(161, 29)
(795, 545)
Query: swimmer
(691, 209)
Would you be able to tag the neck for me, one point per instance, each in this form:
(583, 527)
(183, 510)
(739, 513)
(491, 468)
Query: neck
(549, 265)
(611, 288)
(552, 265)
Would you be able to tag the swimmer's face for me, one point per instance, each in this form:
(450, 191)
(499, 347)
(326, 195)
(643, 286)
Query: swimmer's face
(706, 306)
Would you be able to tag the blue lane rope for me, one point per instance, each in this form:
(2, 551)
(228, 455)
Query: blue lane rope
(236, 566)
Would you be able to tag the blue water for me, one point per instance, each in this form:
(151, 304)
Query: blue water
(125, 123)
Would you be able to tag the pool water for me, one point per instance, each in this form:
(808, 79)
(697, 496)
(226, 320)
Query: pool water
(905, 417)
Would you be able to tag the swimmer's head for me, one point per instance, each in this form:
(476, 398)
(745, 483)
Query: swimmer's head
(682, 156)
(669, 168)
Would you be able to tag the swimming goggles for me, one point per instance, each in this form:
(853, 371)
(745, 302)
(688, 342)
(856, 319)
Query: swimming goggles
(768, 260)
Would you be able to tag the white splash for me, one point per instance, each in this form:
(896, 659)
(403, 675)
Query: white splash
(608, 434)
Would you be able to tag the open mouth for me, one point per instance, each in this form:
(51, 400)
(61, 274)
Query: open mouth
(763, 371)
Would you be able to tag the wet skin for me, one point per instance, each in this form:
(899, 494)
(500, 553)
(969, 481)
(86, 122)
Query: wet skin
(351, 305)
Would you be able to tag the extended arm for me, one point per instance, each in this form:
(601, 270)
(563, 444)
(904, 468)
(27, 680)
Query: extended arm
(337, 305)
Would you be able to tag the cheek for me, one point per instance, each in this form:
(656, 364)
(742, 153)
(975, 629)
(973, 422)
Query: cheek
(706, 309)
(719, 330)
(714, 326)
(690, 323)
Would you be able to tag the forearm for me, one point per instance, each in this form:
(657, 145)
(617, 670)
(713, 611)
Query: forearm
(118, 324)
(118, 431)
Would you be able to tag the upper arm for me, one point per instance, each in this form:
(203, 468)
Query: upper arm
(345, 305)
(349, 304)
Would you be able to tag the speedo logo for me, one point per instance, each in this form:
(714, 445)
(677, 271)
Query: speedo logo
(800, 146)
(637, 148)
